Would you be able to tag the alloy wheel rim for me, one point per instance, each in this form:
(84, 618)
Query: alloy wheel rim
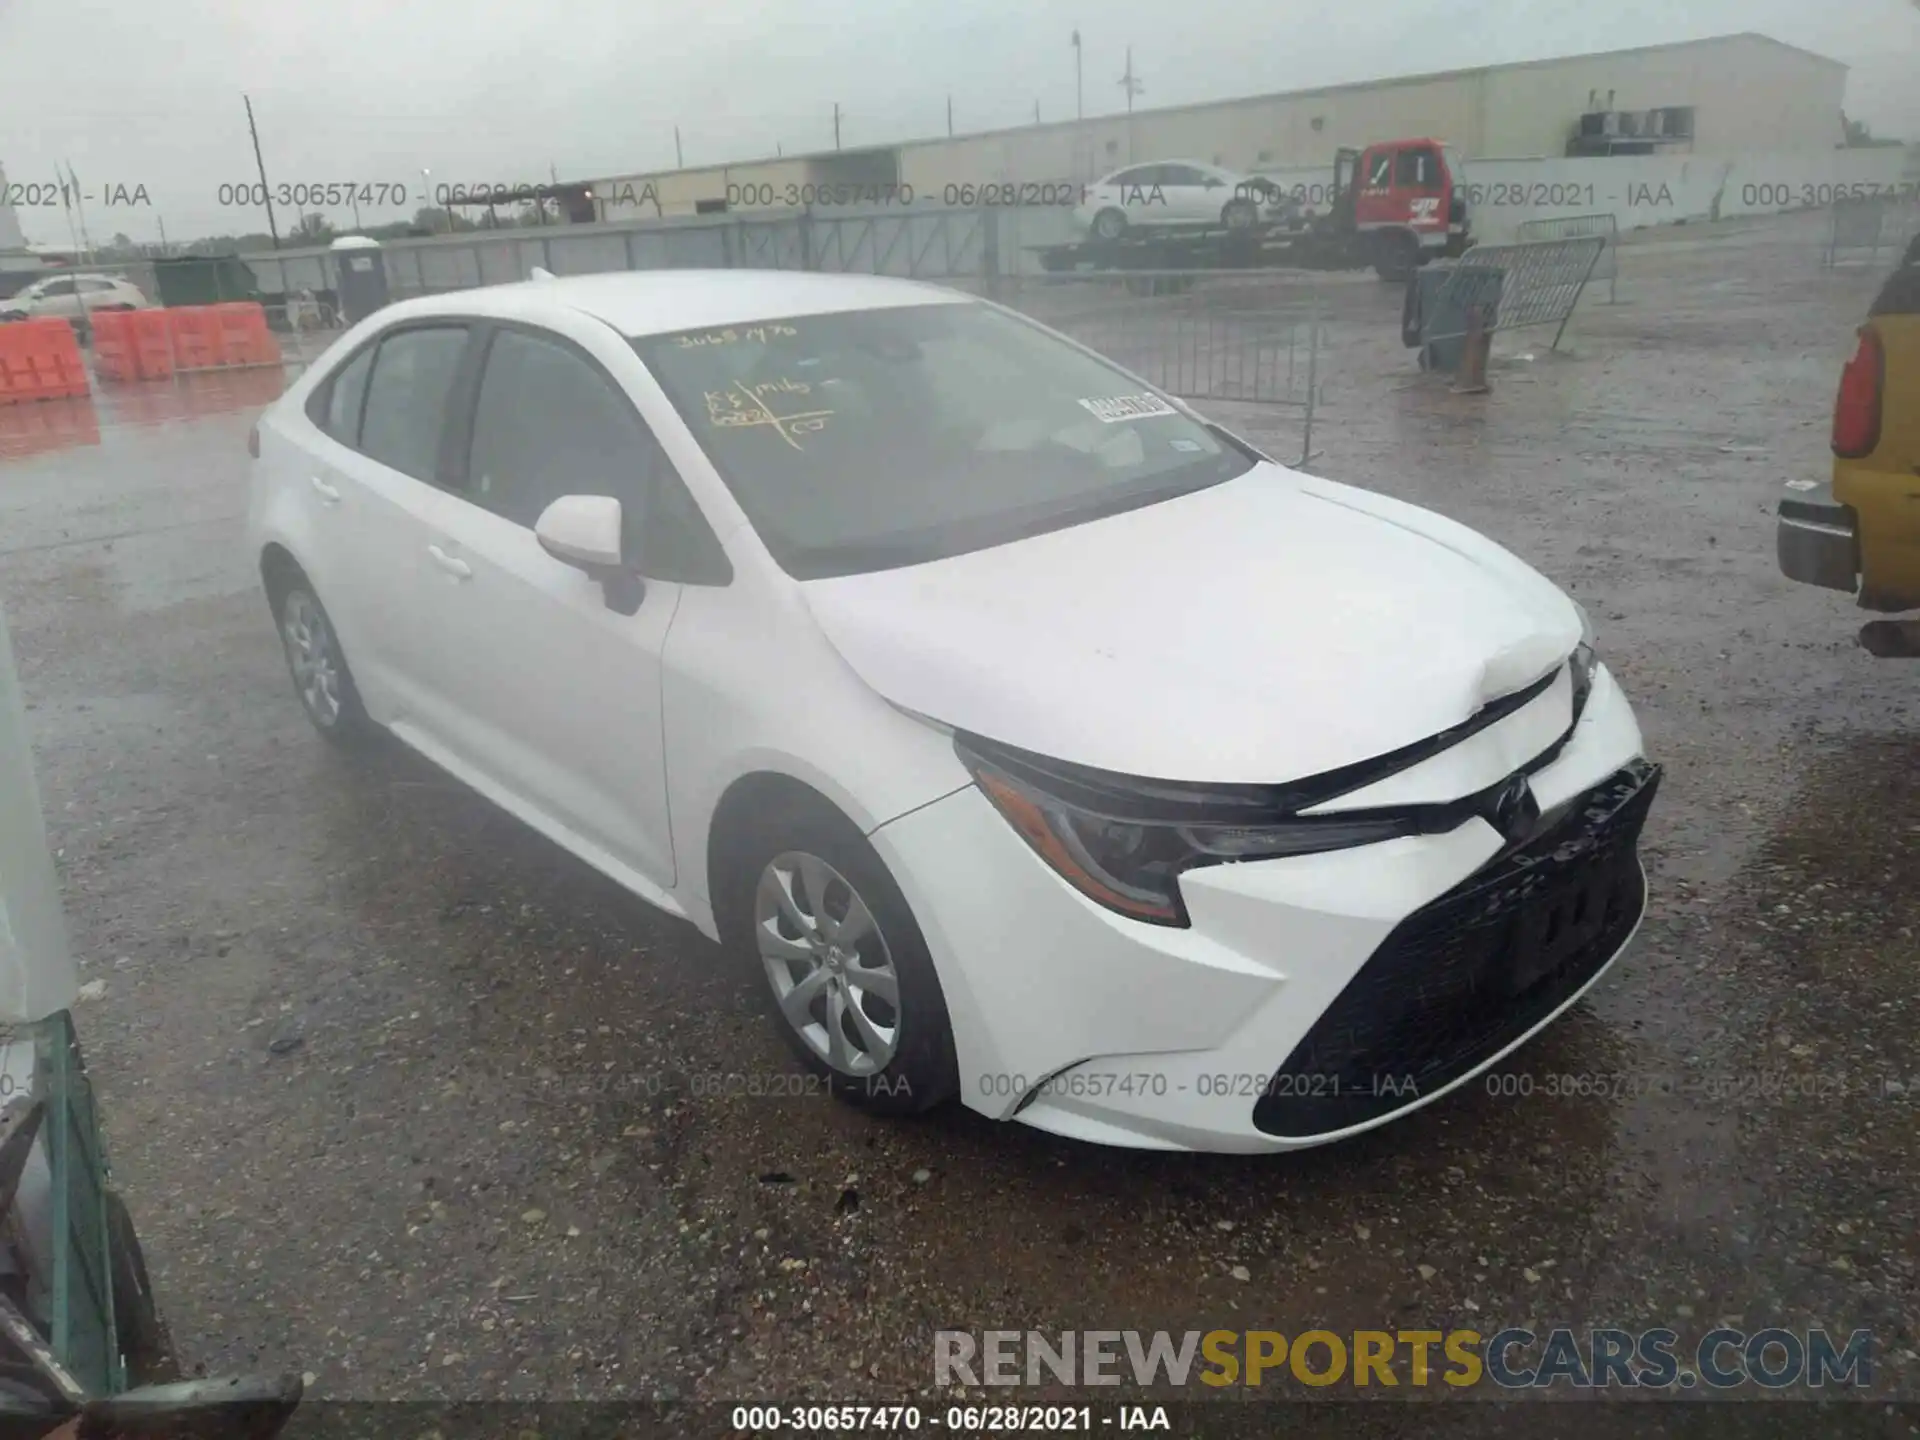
(832, 972)
(313, 657)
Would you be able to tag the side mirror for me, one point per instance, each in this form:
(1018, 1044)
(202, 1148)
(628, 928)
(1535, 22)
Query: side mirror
(582, 531)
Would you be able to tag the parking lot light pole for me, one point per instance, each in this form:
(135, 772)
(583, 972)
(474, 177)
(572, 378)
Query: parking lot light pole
(1079, 82)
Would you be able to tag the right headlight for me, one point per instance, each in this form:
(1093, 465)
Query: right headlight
(1123, 843)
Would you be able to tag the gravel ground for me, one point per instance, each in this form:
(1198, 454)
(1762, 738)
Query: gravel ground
(406, 1098)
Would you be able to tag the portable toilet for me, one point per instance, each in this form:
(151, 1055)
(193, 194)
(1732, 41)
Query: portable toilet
(362, 277)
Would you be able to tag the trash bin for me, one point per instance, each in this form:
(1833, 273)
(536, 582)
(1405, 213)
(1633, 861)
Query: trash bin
(362, 277)
(1435, 319)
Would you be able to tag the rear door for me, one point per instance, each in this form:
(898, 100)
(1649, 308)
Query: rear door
(552, 686)
(372, 490)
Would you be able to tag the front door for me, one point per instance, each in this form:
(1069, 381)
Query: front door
(553, 693)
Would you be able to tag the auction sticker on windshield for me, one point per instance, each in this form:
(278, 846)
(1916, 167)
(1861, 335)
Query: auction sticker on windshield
(1127, 407)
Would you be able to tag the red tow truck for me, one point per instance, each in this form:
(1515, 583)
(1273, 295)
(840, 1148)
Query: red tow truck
(1394, 205)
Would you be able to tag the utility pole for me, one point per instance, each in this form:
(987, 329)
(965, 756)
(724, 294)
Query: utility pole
(266, 190)
(949, 116)
(836, 124)
(679, 157)
(1079, 84)
(80, 209)
(1130, 82)
(1036, 112)
(161, 220)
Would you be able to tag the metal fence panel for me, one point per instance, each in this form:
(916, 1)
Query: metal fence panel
(1857, 225)
(448, 269)
(586, 254)
(1567, 227)
(1201, 335)
(935, 246)
(770, 244)
(499, 263)
(1540, 283)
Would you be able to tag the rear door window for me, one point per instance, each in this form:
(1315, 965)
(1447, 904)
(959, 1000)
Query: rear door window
(406, 405)
(346, 393)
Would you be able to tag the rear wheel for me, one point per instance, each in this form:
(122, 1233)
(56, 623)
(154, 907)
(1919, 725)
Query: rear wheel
(848, 979)
(319, 668)
(1241, 214)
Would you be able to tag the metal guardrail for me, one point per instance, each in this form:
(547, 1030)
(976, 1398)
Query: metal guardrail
(1568, 227)
(1537, 283)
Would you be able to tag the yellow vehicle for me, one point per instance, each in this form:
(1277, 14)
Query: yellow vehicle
(1861, 532)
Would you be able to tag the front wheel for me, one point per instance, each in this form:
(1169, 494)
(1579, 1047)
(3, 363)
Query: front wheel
(1109, 225)
(1396, 255)
(849, 981)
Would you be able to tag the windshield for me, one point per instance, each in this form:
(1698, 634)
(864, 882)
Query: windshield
(875, 438)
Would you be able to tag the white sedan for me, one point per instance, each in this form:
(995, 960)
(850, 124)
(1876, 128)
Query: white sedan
(1040, 743)
(72, 297)
(1169, 194)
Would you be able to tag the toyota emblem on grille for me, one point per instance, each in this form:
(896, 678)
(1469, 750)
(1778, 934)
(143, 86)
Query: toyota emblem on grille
(1515, 811)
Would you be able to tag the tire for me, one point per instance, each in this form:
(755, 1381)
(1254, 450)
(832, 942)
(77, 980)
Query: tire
(319, 669)
(1240, 214)
(1396, 255)
(1109, 225)
(893, 1057)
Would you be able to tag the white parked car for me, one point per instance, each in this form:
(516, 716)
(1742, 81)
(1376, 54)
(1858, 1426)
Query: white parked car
(71, 297)
(1174, 194)
(1041, 743)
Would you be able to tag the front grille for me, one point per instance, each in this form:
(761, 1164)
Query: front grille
(1469, 973)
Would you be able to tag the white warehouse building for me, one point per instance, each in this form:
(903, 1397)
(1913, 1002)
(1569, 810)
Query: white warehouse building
(1732, 94)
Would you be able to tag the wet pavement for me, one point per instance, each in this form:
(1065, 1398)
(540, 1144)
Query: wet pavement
(404, 1097)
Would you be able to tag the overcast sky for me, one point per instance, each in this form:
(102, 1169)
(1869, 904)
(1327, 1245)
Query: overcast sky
(148, 92)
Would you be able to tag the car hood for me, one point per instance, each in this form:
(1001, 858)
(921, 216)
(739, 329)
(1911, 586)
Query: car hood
(1260, 631)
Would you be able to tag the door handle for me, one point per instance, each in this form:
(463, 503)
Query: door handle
(325, 491)
(459, 569)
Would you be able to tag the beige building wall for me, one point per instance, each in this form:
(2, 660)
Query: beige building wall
(1749, 94)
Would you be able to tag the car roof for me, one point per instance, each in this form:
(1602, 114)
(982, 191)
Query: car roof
(1174, 160)
(660, 302)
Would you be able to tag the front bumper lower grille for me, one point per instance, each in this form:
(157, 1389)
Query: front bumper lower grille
(1466, 975)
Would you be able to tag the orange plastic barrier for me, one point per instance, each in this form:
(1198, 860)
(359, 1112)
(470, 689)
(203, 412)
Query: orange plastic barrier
(58, 424)
(244, 333)
(152, 343)
(114, 356)
(197, 343)
(40, 360)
